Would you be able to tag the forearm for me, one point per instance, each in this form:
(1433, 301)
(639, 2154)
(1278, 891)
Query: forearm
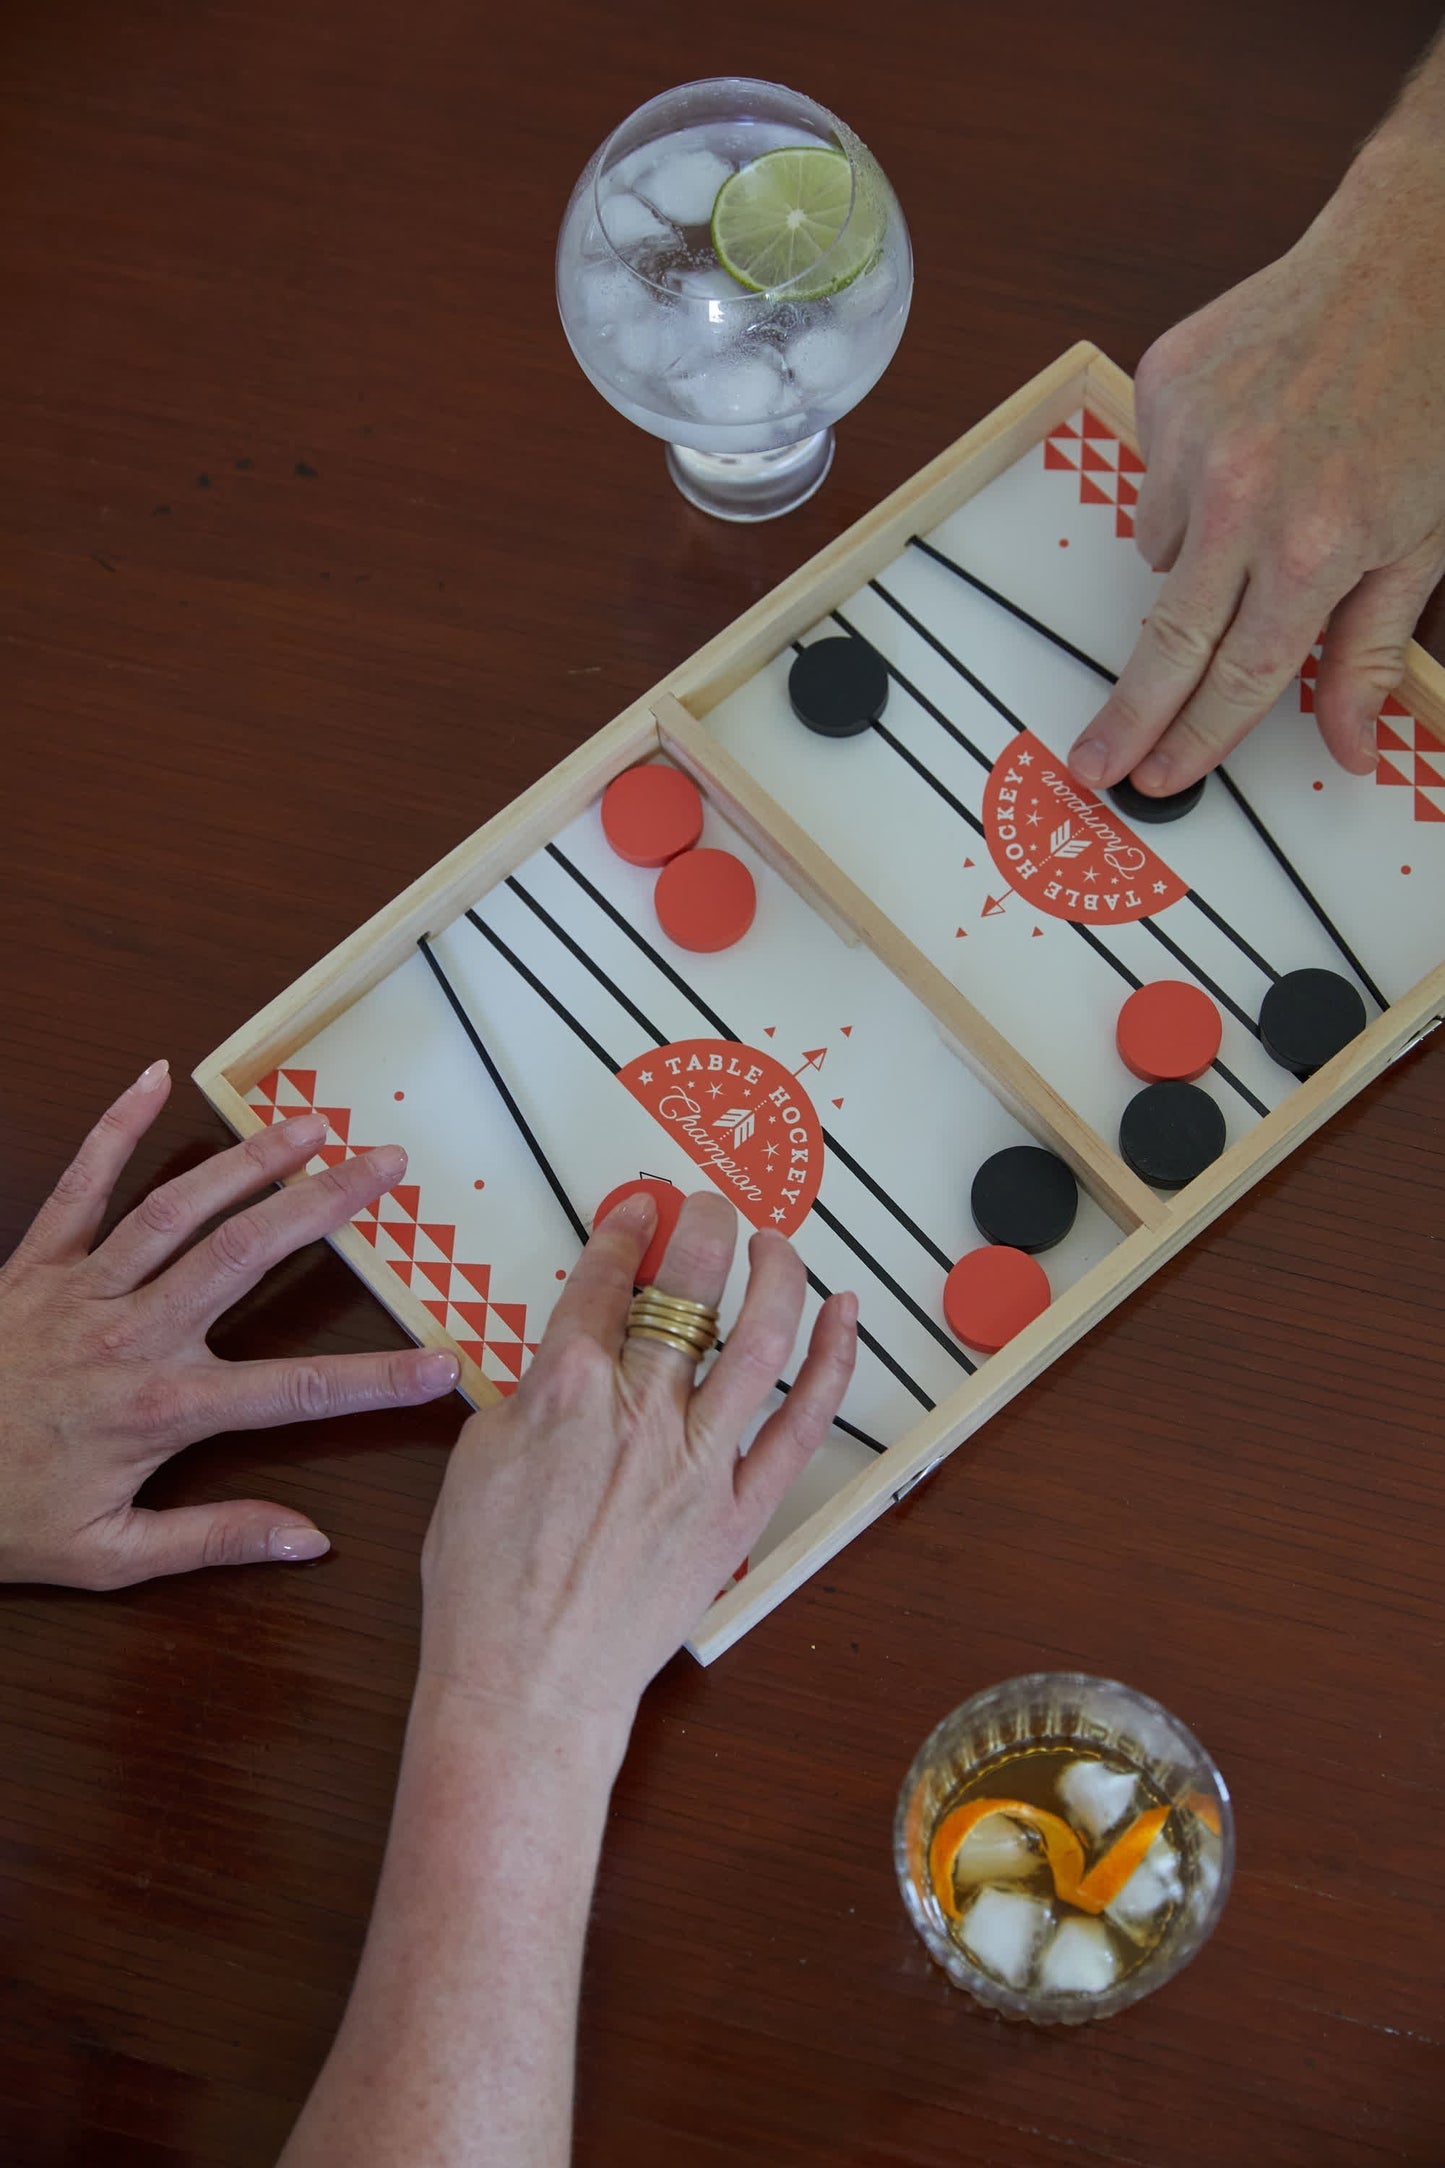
(583, 1526)
(458, 2042)
(1420, 108)
(1396, 183)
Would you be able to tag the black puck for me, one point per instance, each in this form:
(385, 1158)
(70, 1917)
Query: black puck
(1307, 1016)
(1170, 1133)
(1024, 1198)
(838, 686)
(1150, 812)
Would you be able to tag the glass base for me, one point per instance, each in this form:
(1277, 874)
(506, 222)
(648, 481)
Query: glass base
(751, 485)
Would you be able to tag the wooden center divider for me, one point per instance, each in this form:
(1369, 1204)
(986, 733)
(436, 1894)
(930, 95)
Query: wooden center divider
(777, 837)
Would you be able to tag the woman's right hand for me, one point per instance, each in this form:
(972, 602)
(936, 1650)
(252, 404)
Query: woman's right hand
(586, 1523)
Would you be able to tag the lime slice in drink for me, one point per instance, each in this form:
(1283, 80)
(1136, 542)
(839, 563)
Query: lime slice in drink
(776, 223)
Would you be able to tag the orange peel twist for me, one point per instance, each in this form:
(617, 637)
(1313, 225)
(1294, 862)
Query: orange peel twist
(1064, 1851)
(1090, 1891)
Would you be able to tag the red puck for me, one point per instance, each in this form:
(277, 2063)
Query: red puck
(669, 1201)
(650, 814)
(993, 1293)
(1168, 1032)
(705, 899)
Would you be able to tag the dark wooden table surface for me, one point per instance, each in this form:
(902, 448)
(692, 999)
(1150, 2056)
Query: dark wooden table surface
(317, 549)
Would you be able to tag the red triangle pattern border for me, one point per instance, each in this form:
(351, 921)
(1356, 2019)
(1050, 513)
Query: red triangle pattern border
(1108, 470)
(1409, 757)
(422, 1252)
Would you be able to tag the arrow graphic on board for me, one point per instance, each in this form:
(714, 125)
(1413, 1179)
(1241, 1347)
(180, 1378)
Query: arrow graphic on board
(812, 1059)
(1063, 845)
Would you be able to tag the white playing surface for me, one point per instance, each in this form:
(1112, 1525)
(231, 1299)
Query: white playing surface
(400, 1068)
(1372, 851)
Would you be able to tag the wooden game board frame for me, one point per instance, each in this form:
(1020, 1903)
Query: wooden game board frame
(668, 720)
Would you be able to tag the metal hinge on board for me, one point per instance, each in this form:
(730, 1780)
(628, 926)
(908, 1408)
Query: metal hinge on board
(1424, 1032)
(914, 1480)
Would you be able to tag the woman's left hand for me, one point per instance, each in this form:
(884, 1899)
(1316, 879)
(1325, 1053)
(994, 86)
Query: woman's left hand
(104, 1368)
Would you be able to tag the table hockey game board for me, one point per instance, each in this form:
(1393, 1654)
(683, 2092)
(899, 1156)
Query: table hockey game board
(945, 928)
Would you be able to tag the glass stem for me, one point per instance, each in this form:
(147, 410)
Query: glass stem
(751, 485)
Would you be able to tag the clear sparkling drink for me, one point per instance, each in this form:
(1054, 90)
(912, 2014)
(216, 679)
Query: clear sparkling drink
(742, 356)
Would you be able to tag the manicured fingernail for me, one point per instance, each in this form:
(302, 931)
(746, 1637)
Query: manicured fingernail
(1153, 773)
(637, 1211)
(389, 1161)
(151, 1080)
(438, 1371)
(1369, 748)
(1089, 759)
(294, 1544)
(848, 1308)
(306, 1133)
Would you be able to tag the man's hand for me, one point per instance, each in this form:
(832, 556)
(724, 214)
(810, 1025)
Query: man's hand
(104, 1368)
(1294, 432)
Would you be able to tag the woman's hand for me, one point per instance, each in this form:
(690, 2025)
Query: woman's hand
(583, 1528)
(586, 1524)
(1294, 432)
(104, 1368)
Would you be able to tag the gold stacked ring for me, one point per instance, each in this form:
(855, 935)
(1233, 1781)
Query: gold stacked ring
(690, 1327)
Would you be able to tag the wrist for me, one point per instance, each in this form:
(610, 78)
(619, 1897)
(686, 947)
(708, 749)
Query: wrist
(520, 1734)
(1391, 202)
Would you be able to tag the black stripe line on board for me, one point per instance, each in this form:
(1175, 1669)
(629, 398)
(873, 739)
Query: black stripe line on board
(840, 1422)
(1084, 933)
(955, 662)
(926, 704)
(891, 1205)
(520, 1119)
(899, 1293)
(1131, 980)
(829, 1218)
(1243, 1089)
(559, 1008)
(785, 1386)
(1128, 976)
(1245, 947)
(1015, 609)
(605, 905)
(724, 1029)
(1301, 888)
(589, 963)
(875, 1347)
(1233, 934)
(1226, 1001)
(976, 824)
(926, 774)
(1111, 677)
(1115, 963)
